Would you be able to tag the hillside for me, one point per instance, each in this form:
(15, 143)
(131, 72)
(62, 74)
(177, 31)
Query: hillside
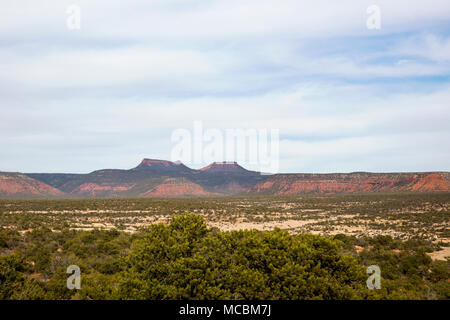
(282, 184)
(155, 178)
(173, 187)
(18, 185)
(161, 178)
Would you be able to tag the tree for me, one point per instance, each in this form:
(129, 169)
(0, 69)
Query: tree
(186, 260)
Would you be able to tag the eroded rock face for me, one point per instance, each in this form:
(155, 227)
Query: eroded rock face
(19, 185)
(352, 182)
(432, 182)
(152, 162)
(162, 165)
(176, 188)
(95, 189)
(224, 167)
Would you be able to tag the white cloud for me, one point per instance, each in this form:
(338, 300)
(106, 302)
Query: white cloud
(219, 18)
(321, 132)
(383, 153)
(108, 67)
(341, 95)
(429, 46)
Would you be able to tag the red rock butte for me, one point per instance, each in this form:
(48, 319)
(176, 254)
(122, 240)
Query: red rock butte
(154, 162)
(231, 166)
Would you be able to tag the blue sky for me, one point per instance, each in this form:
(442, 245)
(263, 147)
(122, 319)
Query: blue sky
(344, 98)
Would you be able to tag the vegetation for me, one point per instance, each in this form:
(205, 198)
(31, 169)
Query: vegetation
(187, 260)
(421, 216)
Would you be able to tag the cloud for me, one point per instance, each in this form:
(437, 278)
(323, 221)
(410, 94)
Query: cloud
(111, 93)
(382, 153)
(312, 127)
(91, 68)
(429, 46)
(197, 19)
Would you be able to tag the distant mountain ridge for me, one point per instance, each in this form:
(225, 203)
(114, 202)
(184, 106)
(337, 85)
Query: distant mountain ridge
(18, 185)
(162, 178)
(282, 184)
(153, 178)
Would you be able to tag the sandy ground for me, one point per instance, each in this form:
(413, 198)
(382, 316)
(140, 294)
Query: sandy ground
(441, 254)
(296, 217)
(263, 226)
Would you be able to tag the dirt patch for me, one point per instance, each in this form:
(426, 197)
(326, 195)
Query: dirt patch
(441, 254)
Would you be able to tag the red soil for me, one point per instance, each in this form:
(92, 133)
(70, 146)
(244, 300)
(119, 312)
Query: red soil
(18, 184)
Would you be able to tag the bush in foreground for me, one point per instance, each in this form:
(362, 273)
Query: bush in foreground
(185, 260)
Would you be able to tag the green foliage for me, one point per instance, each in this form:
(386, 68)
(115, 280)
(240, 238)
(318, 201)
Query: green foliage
(183, 260)
(13, 283)
(11, 278)
(56, 287)
(186, 260)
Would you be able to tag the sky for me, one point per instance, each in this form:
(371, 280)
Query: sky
(343, 96)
